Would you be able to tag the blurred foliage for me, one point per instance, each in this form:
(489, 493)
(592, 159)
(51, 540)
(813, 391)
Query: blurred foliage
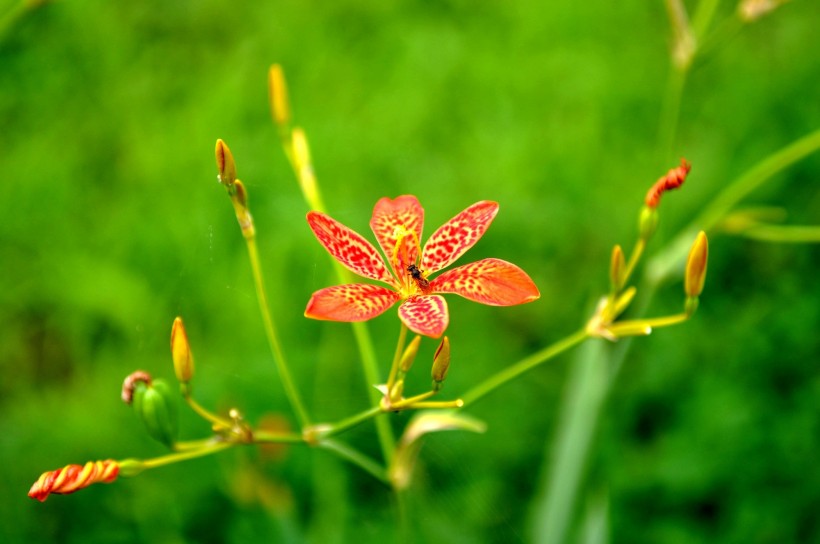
(113, 224)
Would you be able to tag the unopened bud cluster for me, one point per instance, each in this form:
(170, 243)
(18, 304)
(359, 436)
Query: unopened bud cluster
(604, 322)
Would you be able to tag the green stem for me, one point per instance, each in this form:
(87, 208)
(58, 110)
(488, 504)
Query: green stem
(370, 367)
(524, 365)
(267, 437)
(793, 234)
(206, 414)
(284, 373)
(394, 368)
(364, 343)
(357, 458)
(213, 447)
(664, 263)
(670, 112)
(755, 177)
(352, 421)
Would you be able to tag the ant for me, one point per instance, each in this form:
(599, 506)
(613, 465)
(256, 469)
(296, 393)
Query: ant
(421, 281)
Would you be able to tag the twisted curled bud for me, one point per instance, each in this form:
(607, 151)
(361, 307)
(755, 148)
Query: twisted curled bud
(696, 271)
(72, 478)
(672, 180)
(181, 352)
(130, 384)
(441, 364)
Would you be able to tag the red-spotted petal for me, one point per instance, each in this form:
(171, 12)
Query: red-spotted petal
(349, 248)
(488, 281)
(426, 315)
(390, 218)
(351, 302)
(457, 235)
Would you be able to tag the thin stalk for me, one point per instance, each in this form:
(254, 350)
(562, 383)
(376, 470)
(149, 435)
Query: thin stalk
(357, 458)
(364, 343)
(792, 234)
(394, 368)
(755, 177)
(284, 373)
(206, 414)
(665, 262)
(637, 252)
(406, 403)
(670, 112)
(214, 447)
(524, 365)
(350, 422)
(267, 437)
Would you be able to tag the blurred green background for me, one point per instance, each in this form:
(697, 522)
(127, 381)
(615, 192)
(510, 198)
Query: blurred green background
(113, 224)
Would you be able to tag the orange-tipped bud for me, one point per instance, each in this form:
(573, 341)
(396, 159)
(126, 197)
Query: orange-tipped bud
(696, 266)
(278, 94)
(181, 352)
(441, 363)
(225, 165)
(617, 268)
(72, 478)
(409, 355)
(672, 180)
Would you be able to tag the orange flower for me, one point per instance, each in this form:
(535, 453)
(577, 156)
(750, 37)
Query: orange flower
(397, 225)
(72, 478)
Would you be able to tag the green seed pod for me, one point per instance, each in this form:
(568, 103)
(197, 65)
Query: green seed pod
(156, 407)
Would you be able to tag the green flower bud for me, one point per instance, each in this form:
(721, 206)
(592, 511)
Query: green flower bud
(156, 407)
(648, 222)
(441, 363)
(409, 355)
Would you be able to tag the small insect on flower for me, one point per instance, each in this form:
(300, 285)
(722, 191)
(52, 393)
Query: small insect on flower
(421, 281)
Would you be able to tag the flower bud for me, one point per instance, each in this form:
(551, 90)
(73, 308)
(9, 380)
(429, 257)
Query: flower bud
(409, 355)
(224, 164)
(72, 478)
(181, 352)
(278, 94)
(155, 405)
(243, 214)
(441, 363)
(673, 179)
(617, 268)
(648, 222)
(696, 266)
(397, 391)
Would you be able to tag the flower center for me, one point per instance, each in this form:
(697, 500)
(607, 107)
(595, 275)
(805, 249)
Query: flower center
(405, 254)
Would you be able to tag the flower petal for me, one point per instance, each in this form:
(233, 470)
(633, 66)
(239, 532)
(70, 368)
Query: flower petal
(426, 315)
(349, 248)
(457, 235)
(351, 302)
(390, 218)
(488, 281)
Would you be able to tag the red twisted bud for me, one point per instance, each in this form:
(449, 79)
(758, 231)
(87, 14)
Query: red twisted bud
(672, 180)
(72, 478)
